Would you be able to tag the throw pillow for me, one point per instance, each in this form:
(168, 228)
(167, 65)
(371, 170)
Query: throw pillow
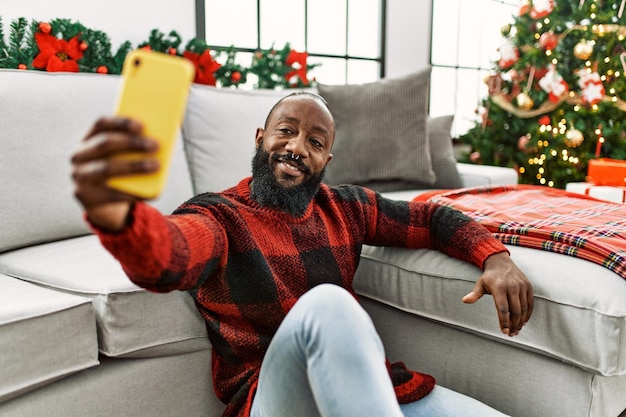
(381, 136)
(442, 153)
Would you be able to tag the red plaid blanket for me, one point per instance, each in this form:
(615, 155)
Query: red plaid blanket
(546, 218)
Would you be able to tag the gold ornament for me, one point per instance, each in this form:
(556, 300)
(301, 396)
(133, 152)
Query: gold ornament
(583, 49)
(574, 138)
(524, 101)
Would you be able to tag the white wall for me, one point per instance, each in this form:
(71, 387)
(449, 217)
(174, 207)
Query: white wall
(408, 23)
(122, 20)
(408, 36)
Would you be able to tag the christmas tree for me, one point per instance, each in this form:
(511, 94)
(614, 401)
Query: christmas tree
(557, 93)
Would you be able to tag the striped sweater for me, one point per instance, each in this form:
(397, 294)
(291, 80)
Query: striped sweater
(246, 265)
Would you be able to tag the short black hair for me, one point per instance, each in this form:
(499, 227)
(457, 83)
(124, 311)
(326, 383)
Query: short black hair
(303, 93)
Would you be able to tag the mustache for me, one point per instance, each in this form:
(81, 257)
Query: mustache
(289, 157)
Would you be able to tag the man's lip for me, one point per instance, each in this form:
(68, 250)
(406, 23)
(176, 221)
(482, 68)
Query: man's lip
(298, 165)
(290, 169)
(291, 164)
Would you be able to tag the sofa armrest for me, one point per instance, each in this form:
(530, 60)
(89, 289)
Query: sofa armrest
(475, 175)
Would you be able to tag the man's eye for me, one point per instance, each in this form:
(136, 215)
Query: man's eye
(285, 130)
(317, 143)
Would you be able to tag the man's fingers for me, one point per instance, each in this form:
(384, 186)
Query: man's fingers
(514, 310)
(100, 170)
(114, 123)
(530, 303)
(104, 146)
(477, 292)
(113, 147)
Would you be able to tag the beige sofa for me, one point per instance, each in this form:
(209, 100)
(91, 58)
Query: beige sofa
(78, 339)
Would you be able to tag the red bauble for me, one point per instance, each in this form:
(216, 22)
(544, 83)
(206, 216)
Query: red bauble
(44, 27)
(102, 70)
(524, 7)
(548, 41)
(235, 77)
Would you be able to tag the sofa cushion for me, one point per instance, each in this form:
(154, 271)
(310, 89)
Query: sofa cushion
(44, 335)
(43, 117)
(381, 138)
(442, 153)
(579, 315)
(220, 130)
(131, 322)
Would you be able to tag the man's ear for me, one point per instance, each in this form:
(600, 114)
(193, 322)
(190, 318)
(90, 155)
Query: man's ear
(259, 136)
(330, 156)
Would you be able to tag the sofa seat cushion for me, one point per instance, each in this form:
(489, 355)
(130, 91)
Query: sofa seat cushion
(131, 321)
(44, 335)
(579, 315)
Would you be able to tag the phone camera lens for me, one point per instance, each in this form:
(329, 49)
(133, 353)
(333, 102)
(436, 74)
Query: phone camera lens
(137, 62)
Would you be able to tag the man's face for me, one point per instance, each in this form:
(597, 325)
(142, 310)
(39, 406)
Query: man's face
(301, 126)
(292, 152)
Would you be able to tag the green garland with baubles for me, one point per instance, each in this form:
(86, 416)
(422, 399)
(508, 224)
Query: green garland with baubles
(69, 46)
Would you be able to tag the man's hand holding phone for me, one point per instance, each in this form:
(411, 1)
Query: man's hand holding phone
(94, 164)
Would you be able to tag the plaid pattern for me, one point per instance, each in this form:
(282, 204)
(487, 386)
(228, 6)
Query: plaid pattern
(246, 265)
(548, 219)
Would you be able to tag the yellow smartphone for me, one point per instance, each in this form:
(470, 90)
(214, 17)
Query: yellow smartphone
(154, 90)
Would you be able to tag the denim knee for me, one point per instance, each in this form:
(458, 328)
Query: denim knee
(334, 306)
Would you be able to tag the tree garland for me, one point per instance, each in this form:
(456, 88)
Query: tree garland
(69, 46)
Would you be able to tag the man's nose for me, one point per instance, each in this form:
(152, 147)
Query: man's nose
(297, 146)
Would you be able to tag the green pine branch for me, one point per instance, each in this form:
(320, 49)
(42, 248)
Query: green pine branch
(97, 56)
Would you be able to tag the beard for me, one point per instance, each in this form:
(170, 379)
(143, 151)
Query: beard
(268, 192)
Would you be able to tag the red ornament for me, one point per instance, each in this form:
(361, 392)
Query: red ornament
(524, 7)
(172, 51)
(522, 143)
(297, 60)
(591, 87)
(544, 120)
(146, 48)
(548, 41)
(541, 8)
(57, 54)
(22, 67)
(205, 66)
(44, 27)
(509, 54)
(235, 77)
(83, 46)
(102, 70)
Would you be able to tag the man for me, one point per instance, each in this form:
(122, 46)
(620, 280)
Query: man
(270, 264)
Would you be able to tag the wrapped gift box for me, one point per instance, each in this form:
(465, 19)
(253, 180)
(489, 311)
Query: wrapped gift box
(606, 171)
(604, 192)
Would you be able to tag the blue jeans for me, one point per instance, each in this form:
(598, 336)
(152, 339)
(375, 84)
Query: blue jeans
(326, 359)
